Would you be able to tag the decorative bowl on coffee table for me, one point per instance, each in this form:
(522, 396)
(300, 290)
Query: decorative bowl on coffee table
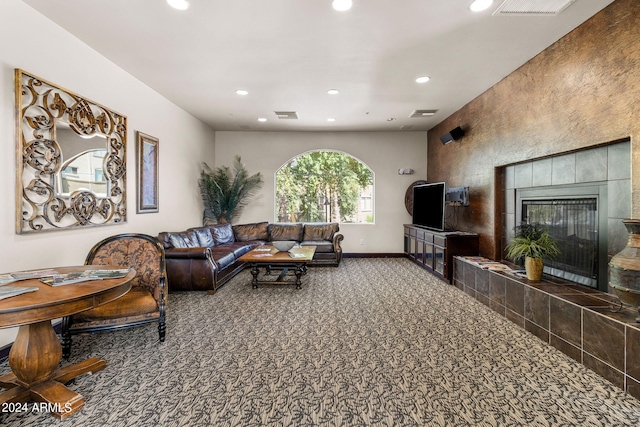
(283, 245)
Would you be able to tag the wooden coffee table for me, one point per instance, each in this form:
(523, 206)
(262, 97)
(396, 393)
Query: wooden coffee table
(296, 260)
(36, 352)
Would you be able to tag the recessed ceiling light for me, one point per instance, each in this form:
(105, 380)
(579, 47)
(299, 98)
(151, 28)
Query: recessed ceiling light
(480, 5)
(331, 119)
(242, 92)
(262, 119)
(179, 4)
(333, 91)
(342, 5)
(391, 119)
(423, 79)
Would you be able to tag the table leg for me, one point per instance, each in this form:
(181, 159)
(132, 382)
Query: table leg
(254, 273)
(299, 271)
(34, 357)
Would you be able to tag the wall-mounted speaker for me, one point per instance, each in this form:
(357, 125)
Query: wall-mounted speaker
(453, 135)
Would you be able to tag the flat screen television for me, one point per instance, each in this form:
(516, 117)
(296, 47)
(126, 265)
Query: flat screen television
(428, 205)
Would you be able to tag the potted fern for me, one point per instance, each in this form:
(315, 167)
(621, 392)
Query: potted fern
(225, 192)
(532, 243)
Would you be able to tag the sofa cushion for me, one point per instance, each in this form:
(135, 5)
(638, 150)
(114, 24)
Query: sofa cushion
(222, 233)
(205, 239)
(222, 257)
(241, 248)
(320, 231)
(136, 302)
(322, 246)
(185, 239)
(246, 232)
(285, 232)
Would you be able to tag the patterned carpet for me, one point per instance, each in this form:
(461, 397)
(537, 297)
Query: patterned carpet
(374, 342)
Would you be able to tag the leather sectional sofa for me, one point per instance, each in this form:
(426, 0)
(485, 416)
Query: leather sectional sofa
(205, 258)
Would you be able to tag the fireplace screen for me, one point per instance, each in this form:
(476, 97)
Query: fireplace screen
(573, 223)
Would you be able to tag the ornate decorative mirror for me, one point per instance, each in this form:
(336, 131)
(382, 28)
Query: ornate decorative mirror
(71, 159)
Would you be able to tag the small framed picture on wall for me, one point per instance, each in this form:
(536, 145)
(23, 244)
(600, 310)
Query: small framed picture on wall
(147, 166)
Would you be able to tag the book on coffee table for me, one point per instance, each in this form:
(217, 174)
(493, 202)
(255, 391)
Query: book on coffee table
(297, 255)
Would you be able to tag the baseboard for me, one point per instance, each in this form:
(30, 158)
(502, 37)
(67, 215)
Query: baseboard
(372, 255)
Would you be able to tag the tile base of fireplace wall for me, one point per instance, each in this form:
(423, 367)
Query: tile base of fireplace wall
(587, 325)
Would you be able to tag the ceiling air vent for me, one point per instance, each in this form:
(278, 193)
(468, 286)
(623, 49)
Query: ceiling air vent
(533, 7)
(423, 113)
(286, 114)
(405, 127)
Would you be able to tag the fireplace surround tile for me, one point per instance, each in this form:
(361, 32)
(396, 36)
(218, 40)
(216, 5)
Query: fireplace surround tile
(536, 330)
(619, 203)
(604, 370)
(633, 387)
(565, 321)
(577, 168)
(585, 300)
(514, 296)
(564, 169)
(567, 348)
(497, 289)
(607, 341)
(619, 161)
(591, 165)
(514, 318)
(509, 177)
(542, 172)
(617, 236)
(523, 175)
(469, 275)
(554, 289)
(510, 201)
(604, 338)
(498, 308)
(536, 307)
(633, 353)
(483, 299)
(482, 282)
(458, 269)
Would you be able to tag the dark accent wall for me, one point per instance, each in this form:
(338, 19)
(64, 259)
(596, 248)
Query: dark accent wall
(582, 91)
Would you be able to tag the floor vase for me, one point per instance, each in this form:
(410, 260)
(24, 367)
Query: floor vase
(624, 267)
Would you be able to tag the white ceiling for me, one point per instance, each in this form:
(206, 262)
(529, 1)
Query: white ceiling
(288, 53)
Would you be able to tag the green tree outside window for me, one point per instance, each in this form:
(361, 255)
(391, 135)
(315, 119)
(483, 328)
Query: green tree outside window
(324, 186)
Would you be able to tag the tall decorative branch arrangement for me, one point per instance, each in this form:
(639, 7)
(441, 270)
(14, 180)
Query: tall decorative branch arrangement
(53, 193)
(225, 192)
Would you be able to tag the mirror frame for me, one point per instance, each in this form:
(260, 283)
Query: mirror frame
(39, 106)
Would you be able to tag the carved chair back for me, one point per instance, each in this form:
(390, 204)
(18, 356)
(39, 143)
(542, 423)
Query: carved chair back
(139, 251)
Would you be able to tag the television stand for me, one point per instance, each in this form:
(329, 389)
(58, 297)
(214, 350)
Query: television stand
(434, 250)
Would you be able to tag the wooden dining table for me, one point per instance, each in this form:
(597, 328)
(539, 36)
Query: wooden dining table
(36, 353)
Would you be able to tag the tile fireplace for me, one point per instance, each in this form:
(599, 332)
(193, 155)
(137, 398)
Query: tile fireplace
(581, 199)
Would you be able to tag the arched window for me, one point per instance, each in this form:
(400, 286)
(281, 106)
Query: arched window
(324, 186)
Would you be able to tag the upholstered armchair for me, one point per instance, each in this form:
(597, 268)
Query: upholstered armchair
(144, 303)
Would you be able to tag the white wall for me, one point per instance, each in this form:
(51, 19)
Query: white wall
(33, 43)
(383, 152)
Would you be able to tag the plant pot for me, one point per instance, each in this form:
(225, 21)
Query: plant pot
(534, 267)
